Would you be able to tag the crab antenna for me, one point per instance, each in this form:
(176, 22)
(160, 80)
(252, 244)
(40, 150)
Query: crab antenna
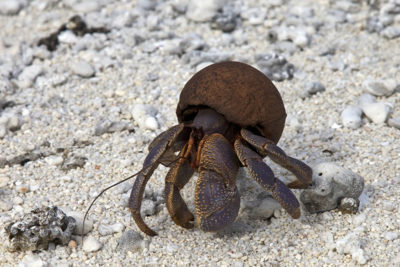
(111, 186)
(99, 195)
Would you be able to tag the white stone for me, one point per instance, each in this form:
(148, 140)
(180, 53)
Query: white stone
(147, 4)
(394, 122)
(32, 260)
(10, 7)
(117, 227)
(110, 229)
(54, 160)
(205, 10)
(29, 75)
(90, 244)
(144, 115)
(365, 99)
(87, 6)
(151, 123)
(391, 32)
(82, 68)
(300, 37)
(14, 122)
(379, 88)
(351, 117)
(377, 112)
(67, 37)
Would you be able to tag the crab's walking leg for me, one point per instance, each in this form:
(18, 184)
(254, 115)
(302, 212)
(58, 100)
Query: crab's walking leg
(177, 177)
(263, 175)
(217, 199)
(268, 148)
(169, 156)
(151, 162)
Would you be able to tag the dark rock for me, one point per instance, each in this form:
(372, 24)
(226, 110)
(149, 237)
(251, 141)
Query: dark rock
(40, 227)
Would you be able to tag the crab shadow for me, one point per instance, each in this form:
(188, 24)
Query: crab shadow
(240, 228)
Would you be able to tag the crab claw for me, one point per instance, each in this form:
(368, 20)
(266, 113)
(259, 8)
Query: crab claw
(216, 204)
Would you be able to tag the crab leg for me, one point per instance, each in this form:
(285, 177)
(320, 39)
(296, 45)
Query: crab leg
(268, 148)
(169, 156)
(217, 199)
(264, 176)
(151, 162)
(176, 179)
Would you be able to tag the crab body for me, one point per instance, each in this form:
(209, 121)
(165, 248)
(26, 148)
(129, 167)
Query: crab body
(230, 115)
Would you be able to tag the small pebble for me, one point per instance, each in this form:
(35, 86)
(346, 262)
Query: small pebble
(349, 205)
(201, 11)
(365, 99)
(391, 32)
(14, 123)
(67, 37)
(144, 115)
(86, 6)
(110, 229)
(394, 122)
(90, 244)
(351, 117)
(29, 75)
(83, 69)
(377, 112)
(224, 20)
(151, 123)
(378, 88)
(32, 260)
(147, 4)
(54, 160)
(10, 7)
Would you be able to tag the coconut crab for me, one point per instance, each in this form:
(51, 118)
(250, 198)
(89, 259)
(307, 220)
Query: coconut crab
(230, 115)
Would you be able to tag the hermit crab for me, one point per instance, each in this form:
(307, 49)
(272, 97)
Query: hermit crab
(230, 115)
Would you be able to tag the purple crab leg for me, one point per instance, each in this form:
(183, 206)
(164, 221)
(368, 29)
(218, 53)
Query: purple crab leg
(264, 176)
(268, 148)
(157, 150)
